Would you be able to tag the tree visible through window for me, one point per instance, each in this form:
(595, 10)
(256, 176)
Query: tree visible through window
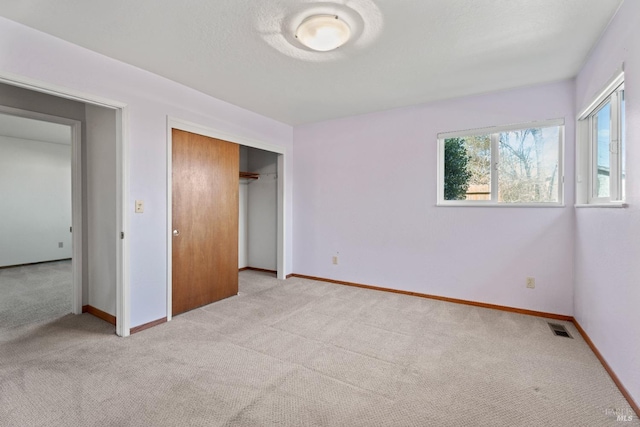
(504, 165)
(528, 166)
(456, 169)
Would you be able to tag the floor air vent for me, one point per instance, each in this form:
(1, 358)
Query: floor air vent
(559, 330)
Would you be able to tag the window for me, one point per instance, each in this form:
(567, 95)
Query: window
(506, 165)
(601, 147)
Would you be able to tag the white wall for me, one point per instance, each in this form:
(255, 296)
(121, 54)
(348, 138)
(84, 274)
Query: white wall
(607, 283)
(365, 187)
(150, 99)
(35, 207)
(262, 210)
(243, 235)
(102, 235)
(243, 214)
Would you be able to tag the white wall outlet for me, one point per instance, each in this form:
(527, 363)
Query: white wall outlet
(139, 206)
(60, 244)
(334, 259)
(531, 282)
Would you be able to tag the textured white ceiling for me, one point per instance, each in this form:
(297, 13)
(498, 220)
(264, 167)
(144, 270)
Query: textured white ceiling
(405, 51)
(35, 130)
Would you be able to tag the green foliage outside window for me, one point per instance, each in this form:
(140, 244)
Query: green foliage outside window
(456, 173)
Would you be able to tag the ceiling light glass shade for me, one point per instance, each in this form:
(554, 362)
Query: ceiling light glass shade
(323, 32)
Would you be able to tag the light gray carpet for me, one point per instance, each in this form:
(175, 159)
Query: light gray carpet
(304, 353)
(33, 293)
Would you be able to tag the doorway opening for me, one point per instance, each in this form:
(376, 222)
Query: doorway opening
(95, 125)
(36, 266)
(258, 224)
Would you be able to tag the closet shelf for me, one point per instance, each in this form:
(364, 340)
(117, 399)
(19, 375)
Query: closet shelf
(249, 175)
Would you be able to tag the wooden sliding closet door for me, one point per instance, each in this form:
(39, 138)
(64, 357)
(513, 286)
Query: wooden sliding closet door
(205, 220)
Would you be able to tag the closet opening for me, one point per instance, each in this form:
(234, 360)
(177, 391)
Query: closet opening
(258, 213)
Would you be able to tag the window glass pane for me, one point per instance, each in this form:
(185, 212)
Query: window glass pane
(467, 168)
(603, 164)
(623, 168)
(528, 166)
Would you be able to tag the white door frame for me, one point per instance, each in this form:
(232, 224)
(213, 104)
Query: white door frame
(175, 123)
(123, 315)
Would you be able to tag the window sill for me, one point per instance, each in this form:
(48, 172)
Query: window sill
(603, 205)
(499, 205)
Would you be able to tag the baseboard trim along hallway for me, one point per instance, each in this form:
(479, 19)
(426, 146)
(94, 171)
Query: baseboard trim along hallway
(148, 325)
(446, 299)
(99, 314)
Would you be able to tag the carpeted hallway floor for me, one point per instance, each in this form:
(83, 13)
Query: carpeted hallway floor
(33, 293)
(304, 353)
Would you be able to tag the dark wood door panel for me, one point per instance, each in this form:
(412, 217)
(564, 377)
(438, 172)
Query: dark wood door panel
(205, 183)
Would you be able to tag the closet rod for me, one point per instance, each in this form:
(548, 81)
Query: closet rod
(249, 175)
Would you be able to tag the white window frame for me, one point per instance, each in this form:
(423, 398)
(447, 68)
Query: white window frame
(494, 131)
(586, 153)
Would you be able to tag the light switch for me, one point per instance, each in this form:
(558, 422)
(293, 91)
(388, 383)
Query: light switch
(139, 206)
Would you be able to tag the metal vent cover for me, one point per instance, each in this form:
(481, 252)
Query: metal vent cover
(559, 330)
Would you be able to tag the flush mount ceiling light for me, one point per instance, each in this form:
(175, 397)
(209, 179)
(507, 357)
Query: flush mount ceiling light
(323, 32)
